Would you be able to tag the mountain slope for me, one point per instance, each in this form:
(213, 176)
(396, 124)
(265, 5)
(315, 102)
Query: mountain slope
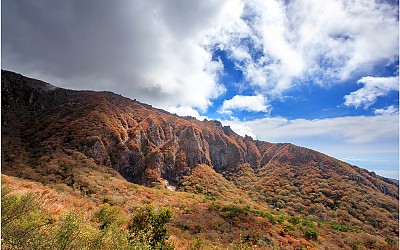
(43, 124)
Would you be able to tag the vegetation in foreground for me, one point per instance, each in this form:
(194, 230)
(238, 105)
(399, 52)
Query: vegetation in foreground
(26, 224)
(36, 216)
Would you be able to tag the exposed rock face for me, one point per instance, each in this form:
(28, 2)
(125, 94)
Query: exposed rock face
(192, 143)
(95, 148)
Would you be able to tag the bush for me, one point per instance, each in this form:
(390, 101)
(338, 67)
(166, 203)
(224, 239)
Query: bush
(269, 216)
(287, 225)
(107, 216)
(281, 219)
(68, 231)
(294, 220)
(147, 226)
(21, 220)
(342, 228)
(310, 233)
(15, 206)
(197, 243)
(234, 211)
(213, 206)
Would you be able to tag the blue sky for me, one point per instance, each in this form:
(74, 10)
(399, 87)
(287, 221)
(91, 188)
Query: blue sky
(319, 74)
(309, 100)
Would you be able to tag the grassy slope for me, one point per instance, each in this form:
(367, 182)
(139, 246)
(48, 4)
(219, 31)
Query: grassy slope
(207, 218)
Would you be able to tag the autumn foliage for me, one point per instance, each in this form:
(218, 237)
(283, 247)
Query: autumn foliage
(95, 170)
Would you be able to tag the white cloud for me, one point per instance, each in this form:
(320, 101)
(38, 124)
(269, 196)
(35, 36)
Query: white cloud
(390, 110)
(373, 88)
(256, 74)
(325, 41)
(352, 129)
(367, 33)
(240, 129)
(273, 24)
(186, 111)
(257, 103)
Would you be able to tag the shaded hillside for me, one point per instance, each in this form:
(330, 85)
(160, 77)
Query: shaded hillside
(47, 132)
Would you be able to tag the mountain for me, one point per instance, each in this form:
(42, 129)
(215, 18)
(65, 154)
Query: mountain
(60, 137)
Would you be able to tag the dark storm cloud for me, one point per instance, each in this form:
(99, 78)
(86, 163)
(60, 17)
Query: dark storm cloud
(145, 49)
(60, 38)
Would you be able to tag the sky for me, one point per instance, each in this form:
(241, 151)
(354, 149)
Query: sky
(318, 74)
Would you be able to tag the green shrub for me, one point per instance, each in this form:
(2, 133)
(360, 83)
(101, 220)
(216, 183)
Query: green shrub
(108, 215)
(21, 220)
(281, 219)
(147, 226)
(294, 220)
(342, 228)
(68, 231)
(310, 233)
(197, 243)
(287, 225)
(234, 211)
(213, 206)
(269, 216)
(16, 206)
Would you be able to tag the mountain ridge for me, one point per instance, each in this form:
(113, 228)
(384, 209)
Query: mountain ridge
(153, 147)
(206, 133)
